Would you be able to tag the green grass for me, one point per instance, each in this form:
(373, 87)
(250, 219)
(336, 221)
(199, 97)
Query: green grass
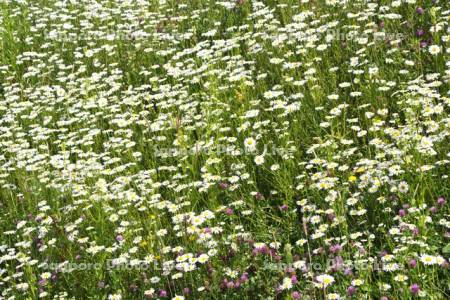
(123, 131)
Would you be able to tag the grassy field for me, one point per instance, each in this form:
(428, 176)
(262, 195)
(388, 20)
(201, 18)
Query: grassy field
(224, 149)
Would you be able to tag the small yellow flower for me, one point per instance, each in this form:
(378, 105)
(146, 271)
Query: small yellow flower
(239, 96)
(352, 178)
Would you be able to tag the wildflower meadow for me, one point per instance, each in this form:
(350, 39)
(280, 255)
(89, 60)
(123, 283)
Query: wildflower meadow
(234, 149)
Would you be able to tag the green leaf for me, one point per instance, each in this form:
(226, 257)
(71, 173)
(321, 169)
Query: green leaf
(446, 249)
